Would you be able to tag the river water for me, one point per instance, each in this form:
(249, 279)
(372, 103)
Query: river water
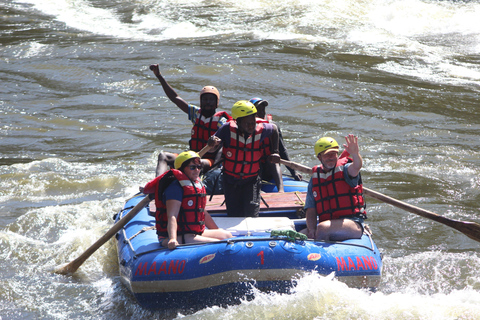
(83, 120)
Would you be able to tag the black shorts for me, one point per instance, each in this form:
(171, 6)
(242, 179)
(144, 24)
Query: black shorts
(358, 220)
(243, 198)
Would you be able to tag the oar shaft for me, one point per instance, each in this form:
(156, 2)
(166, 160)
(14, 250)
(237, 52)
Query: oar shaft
(403, 205)
(204, 150)
(75, 264)
(296, 166)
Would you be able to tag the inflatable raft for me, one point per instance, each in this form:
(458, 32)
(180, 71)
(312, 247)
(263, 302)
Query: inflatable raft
(266, 253)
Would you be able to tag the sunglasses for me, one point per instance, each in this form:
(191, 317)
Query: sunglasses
(195, 166)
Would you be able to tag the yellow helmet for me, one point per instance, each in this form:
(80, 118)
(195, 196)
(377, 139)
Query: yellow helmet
(184, 156)
(325, 143)
(243, 108)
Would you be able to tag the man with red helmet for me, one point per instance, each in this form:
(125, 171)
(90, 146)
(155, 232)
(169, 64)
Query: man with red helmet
(205, 119)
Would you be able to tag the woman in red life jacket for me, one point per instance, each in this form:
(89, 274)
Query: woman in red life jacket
(247, 142)
(335, 206)
(180, 199)
(206, 121)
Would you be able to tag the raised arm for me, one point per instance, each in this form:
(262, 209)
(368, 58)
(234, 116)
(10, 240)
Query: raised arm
(352, 148)
(171, 94)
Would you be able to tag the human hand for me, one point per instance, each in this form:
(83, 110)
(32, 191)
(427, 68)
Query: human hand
(155, 69)
(311, 234)
(352, 144)
(172, 244)
(213, 141)
(297, 176)
(274, 158)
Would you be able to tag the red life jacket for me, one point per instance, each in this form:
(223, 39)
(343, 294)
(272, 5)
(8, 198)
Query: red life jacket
(203, 129)
(261, 120)
(242, 158)
(334, 197)
(191, 218)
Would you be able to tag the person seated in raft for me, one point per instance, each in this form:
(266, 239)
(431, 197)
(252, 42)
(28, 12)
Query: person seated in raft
(247, 142)
(206, 121)
(335, 206)
(267, 175)
(180, 199)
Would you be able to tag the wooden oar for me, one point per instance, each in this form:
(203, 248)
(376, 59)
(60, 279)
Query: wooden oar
(71, 267)
(204, 150)
(470, 229)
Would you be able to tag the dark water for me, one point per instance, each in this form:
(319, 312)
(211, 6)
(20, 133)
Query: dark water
(83, 119)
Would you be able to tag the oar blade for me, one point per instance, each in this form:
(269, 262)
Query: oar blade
(71, 267)
(470, 229)
(67, 268)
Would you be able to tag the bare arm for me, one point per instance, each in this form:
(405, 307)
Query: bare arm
(171, 94)
(274, 139)
(311, 218)
(173, 208)
(209, 222)
(352, 148)
(277, 172)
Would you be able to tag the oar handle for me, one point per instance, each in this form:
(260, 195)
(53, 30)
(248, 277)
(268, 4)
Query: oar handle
(75, 264)
(296, 166)
(204, 150)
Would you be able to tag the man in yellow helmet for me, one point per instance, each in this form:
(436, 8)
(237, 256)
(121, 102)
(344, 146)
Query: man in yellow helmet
(335, 206)
(247, 142)
(205, 119)
(180, 202)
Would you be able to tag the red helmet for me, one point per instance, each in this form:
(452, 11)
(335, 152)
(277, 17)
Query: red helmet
(212, 90)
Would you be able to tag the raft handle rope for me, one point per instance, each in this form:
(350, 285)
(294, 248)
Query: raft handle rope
(141, 231)
(367, 231)
(120, 212)
(127, 241)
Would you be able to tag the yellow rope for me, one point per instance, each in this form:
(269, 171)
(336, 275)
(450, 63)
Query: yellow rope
(300, 201)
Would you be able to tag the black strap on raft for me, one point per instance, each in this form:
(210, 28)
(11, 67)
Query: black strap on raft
(264, 202)
(119, 212)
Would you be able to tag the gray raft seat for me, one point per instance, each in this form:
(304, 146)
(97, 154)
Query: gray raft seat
(254, 226)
